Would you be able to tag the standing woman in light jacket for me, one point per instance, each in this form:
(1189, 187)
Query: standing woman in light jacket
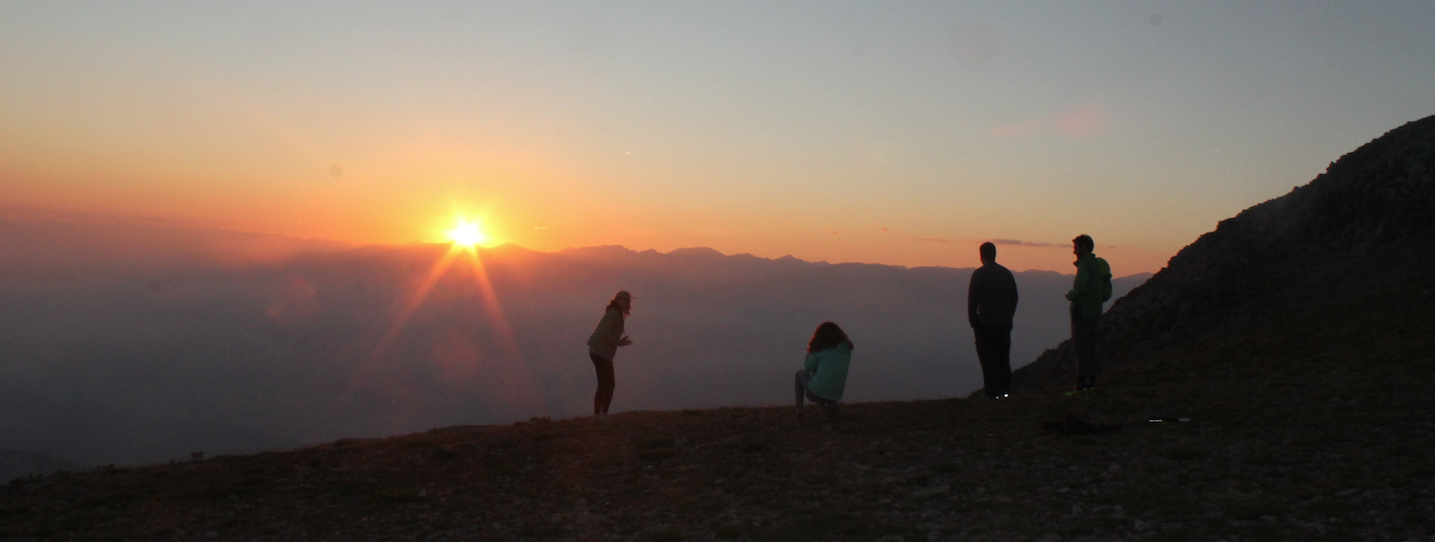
(603, 345)
(823, 376)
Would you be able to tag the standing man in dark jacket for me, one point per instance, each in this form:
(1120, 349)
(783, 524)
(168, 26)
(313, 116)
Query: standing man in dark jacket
(991, 303)
(1089, 291)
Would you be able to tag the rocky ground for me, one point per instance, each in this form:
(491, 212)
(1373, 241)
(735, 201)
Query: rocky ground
(1317, 426)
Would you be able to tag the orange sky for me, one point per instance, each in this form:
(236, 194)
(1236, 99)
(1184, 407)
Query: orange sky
(902, 135)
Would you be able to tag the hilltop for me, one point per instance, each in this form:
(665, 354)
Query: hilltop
(1291, 435)
(18, 463)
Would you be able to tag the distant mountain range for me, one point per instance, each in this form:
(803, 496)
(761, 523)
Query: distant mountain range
(131, 343)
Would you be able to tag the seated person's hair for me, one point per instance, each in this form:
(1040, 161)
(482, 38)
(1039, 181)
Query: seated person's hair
(828, 335)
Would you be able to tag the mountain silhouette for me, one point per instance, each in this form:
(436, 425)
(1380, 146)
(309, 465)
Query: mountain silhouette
(1365, 224)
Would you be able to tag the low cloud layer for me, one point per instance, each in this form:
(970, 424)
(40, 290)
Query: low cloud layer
(1077, 121)
(1020, 243)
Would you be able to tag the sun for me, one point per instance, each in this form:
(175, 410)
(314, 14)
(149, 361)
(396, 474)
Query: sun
(468, 234)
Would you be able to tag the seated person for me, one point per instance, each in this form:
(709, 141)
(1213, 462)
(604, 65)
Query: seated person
(824, 373)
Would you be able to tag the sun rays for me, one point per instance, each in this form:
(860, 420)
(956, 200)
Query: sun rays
(482, 349)
(462, 251)
(465, 238)
(416, 298)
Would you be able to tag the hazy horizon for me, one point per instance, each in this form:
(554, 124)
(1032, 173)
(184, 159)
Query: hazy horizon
(43, 216)
(138, 343)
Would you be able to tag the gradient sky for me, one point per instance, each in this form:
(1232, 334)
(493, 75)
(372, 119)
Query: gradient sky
(896, 133)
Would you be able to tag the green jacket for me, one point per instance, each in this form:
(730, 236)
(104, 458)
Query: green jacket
(608, 334)
(1087, 292)
(829, 371)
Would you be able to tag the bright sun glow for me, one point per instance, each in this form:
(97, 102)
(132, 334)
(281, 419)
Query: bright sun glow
(468, 234)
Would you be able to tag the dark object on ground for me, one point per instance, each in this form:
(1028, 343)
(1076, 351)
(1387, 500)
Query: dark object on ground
(1167, 419)
(1072, 425)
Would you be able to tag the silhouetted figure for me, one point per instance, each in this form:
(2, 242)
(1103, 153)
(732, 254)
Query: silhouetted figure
(1091, 288)
(991, 303)
(603, 345)
(823, 376)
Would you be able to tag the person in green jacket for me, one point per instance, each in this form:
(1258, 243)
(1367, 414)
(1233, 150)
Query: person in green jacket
(603, 345)
(823, 376)
(1091, 288)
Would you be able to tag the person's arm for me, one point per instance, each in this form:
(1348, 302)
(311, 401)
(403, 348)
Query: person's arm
(1082, 285)
(973, 294)
(810, 363)
(1015, 293)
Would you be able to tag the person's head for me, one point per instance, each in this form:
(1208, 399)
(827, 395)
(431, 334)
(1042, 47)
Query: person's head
(1082, 245)
(623, 301)
(827, 335)
(988, 252)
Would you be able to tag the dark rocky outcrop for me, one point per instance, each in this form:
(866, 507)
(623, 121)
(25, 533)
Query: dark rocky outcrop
(1367, 222)
(18, 463)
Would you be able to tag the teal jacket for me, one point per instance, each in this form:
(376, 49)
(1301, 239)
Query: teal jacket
(1087, 293)
(829, 371)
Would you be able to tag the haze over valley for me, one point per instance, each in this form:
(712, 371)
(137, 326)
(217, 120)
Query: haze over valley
(135, 343)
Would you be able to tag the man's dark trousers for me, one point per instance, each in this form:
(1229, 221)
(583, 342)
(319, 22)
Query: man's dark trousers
(994, 351)
(1083, 337)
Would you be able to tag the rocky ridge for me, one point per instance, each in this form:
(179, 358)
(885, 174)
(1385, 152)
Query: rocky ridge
(1367, 222)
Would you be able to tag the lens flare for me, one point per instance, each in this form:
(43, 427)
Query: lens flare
(515, 373)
